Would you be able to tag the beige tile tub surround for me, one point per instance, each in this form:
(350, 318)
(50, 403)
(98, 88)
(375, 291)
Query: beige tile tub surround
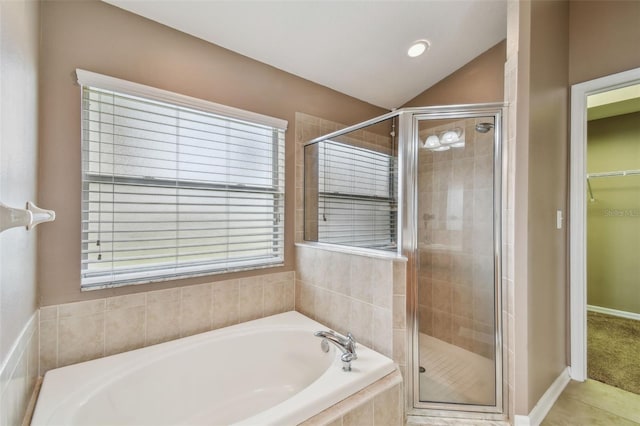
(19, 374)
(380, 404)
(81, 331)
(346, 291)
(354, 293)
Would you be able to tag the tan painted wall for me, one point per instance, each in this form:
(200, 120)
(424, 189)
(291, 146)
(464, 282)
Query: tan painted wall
(19, 35)
(101, 38)
(19, 336)
(613, 219)
(542, 145)
(548, 145)
(559, 43)
(479, 81)
(604, 38)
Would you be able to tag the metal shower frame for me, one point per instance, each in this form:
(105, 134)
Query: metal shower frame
(408, 146)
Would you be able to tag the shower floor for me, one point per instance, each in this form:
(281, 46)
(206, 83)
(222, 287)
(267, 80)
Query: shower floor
(454, 375)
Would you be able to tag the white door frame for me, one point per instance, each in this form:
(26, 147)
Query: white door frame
(578, 211)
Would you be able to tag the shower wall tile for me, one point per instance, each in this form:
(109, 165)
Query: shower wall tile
(299, 173)
(425, 293)
(455, 260)
(462, 333)
(76, 332)
(442, 295)
(463, 173)
(462, 269)
(442, 325)
(425, 321)
(462, 301)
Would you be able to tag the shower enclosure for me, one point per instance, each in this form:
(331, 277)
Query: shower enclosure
(433, 194)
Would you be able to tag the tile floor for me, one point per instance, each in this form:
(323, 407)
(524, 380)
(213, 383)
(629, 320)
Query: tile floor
(454, 374)
(589, 403)
(594, 403)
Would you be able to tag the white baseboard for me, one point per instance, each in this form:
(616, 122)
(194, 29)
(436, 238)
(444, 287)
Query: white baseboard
(541, 409)
(614, 312)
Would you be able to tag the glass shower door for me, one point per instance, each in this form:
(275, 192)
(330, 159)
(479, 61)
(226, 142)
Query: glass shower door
(456, 337)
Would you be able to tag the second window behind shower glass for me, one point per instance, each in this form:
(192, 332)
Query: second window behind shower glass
(350, 189)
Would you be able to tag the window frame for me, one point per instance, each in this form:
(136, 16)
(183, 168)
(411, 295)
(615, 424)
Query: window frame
(158, 273)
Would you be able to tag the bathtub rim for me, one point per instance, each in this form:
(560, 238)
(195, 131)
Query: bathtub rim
(291, 320)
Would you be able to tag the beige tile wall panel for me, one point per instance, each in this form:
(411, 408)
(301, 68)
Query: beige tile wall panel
(81, 331)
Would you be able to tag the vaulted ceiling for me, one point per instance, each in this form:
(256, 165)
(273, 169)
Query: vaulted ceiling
(356, 47)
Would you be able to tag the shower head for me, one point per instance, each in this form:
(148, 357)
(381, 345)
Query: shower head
(484, 127)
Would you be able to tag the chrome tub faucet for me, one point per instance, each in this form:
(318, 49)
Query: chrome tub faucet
(346, 344)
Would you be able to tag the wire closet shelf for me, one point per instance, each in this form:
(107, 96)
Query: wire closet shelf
(617, 173)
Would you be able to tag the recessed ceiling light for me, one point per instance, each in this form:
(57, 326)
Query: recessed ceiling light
(418, 48)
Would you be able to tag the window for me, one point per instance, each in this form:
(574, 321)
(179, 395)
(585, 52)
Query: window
(356, 205)
(174, 187)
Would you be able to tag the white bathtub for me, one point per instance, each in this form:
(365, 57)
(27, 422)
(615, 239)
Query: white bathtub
(269, 371)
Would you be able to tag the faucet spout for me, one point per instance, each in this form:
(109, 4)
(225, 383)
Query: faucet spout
(346, 345)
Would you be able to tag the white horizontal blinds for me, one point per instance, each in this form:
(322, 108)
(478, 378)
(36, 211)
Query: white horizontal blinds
(171, 191)
(356, 204)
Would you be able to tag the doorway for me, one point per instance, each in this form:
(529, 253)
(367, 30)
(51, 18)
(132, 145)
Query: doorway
(603, 221)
